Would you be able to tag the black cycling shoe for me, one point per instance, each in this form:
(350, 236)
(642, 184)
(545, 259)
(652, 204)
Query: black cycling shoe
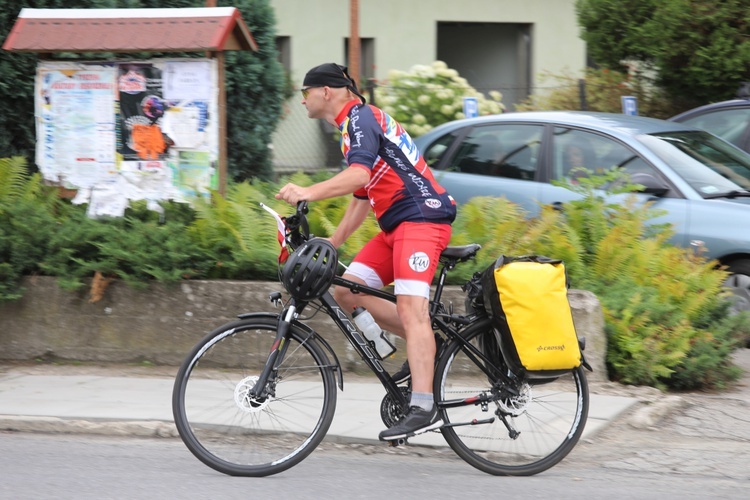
(403, 374)
(416, 421)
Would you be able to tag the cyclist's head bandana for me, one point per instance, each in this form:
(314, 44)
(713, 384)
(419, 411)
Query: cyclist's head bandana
(331, 75)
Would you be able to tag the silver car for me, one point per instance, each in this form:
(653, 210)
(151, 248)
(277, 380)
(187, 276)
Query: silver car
(701, 181)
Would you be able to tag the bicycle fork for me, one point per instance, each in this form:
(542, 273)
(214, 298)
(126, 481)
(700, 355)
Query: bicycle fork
(276, 355)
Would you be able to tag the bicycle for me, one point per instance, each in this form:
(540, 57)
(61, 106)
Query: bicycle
(257, 395)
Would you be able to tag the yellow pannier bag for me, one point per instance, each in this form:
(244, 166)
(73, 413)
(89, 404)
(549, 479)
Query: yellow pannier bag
(527, 298)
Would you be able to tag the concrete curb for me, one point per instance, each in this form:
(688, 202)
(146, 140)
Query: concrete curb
(56, 425)
(651, 413)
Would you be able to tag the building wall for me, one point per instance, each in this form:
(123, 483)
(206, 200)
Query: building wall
(406, 34)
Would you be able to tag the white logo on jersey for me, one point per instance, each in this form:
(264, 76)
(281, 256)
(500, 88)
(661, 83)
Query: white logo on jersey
(433, 203)
(419, 262)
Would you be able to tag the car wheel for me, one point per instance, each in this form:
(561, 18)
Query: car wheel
(739, 282)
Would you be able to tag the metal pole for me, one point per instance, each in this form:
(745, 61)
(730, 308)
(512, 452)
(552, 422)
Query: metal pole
(222, 118)
(354, 42)
(222, 125)
(582, 94)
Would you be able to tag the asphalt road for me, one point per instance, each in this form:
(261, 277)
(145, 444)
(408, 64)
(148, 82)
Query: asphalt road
(695, 446)
(84, 467)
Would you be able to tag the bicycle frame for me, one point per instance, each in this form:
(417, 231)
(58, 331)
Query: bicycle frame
(360, 344)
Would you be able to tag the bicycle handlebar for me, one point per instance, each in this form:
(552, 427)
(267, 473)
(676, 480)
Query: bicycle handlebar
(297, 227)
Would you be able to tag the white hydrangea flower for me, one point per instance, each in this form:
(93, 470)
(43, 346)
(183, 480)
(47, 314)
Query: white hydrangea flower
(419, 119)
(415, 130)
(447, 109)
(424, 99)
(422, 71)
(448, 73)
(388, 100)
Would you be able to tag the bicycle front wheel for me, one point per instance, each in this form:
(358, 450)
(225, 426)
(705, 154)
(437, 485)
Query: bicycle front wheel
(242, 435)
(544, 420)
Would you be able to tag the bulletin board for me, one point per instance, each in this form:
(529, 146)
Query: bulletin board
(128, 130)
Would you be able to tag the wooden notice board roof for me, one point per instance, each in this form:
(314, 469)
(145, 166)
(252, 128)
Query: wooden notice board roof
(211, 29)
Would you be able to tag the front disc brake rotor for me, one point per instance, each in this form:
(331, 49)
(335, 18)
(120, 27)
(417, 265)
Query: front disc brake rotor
(243, 399)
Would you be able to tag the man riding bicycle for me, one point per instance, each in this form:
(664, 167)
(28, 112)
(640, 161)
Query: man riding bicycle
(387, 173)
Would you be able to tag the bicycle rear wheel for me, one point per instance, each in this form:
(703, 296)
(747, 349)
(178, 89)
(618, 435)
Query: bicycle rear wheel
(240, 435)
(548, 415)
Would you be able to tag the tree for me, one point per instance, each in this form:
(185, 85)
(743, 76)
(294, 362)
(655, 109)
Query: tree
(699, 48)
(255, 82)
(255, 93)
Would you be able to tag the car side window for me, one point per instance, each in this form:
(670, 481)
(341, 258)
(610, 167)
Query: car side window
(573, 150)
(508, 150)
(435, 151)
(729, 124)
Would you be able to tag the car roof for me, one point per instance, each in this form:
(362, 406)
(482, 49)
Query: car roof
(616, 124)
(732, 103)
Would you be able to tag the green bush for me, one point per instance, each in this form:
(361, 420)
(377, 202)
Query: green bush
(136, 248)
(29, 215)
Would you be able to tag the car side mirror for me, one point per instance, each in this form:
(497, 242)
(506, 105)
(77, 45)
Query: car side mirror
(651, 185)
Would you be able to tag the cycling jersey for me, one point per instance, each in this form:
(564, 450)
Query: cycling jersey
(402, 187)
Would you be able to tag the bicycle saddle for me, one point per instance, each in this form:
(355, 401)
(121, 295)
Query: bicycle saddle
(461, 253)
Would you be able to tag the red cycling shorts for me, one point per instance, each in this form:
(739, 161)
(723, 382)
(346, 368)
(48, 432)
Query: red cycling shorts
(407, 257)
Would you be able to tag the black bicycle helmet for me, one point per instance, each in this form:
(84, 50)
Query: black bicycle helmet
(310, 269)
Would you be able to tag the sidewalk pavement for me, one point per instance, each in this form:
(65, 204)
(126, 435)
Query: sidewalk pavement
(136, 405)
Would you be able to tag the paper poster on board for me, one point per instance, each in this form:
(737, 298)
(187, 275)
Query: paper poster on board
(75, 123)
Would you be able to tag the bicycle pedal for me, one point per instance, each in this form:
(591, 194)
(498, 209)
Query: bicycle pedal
(398, 442)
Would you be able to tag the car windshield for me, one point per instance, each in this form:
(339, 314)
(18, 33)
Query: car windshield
(689, 152)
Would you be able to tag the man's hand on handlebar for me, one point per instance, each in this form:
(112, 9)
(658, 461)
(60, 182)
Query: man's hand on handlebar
(293, 194)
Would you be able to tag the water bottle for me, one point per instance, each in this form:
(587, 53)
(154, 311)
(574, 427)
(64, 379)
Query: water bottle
(366, 323)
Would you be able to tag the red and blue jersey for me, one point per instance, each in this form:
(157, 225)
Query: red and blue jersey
(402, 187)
